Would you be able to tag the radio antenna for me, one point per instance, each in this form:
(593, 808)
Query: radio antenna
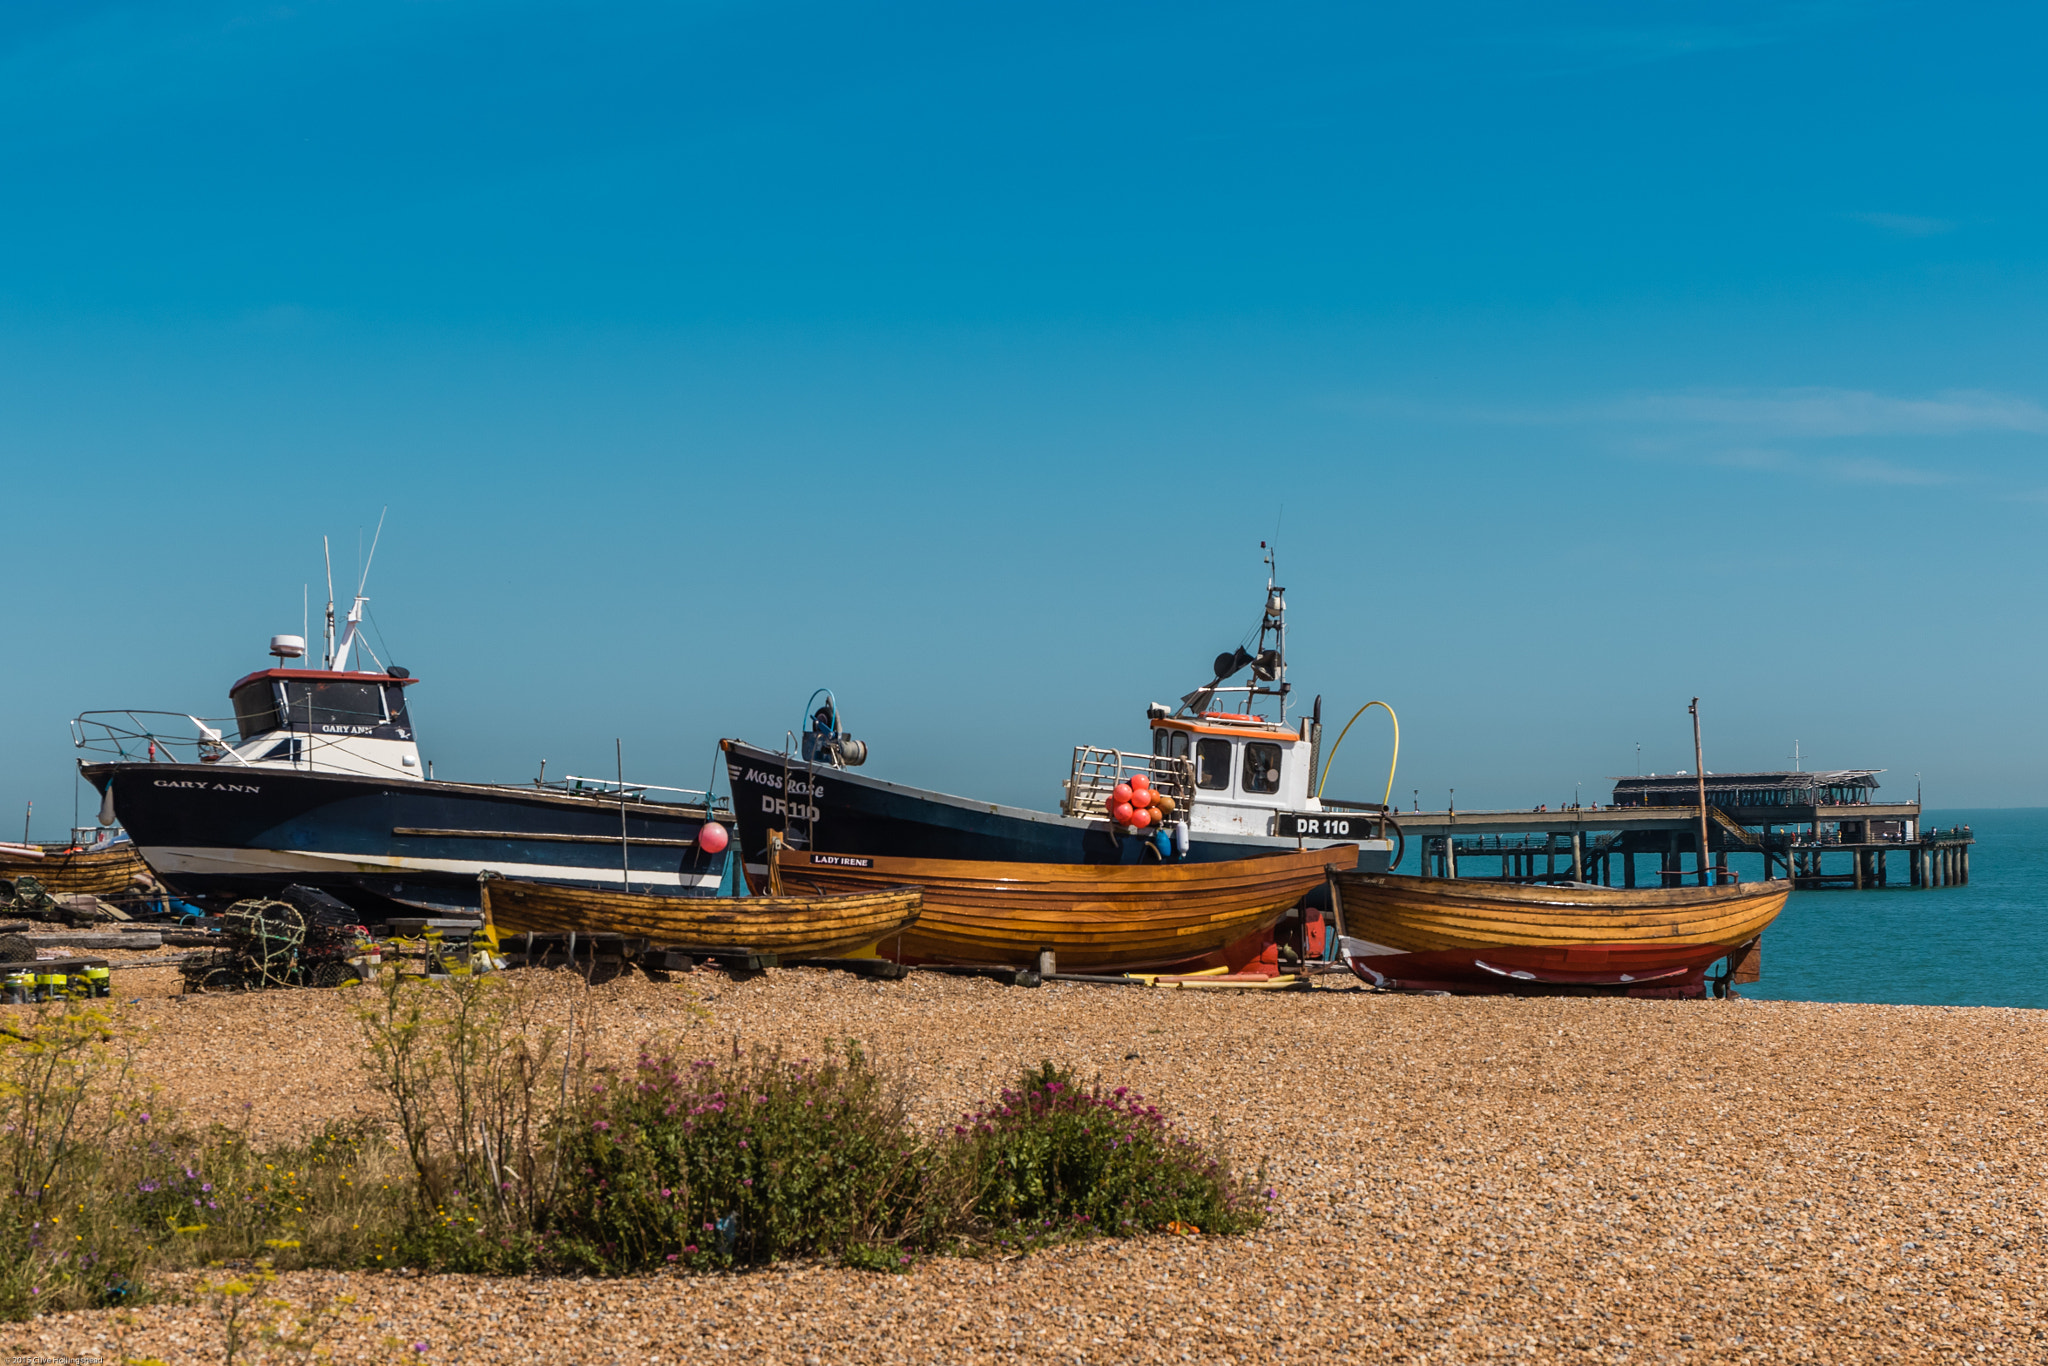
(327, 554)
(364, 581)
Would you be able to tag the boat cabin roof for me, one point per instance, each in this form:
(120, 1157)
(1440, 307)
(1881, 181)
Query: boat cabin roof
(322, 676)
(1228, 723)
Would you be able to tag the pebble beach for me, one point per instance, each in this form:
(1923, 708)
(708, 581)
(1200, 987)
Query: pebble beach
(1454, 1179)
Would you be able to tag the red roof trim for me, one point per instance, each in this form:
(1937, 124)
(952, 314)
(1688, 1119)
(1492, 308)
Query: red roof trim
(325, 675)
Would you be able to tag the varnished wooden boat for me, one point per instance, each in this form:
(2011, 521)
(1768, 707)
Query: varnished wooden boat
(792, 926)
(1451, 934)
(1094, 917)
(65, 871)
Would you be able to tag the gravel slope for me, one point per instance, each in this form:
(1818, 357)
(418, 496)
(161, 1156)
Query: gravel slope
(1458, 1180)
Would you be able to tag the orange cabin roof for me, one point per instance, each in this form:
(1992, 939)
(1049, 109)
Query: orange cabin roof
(1258, 730)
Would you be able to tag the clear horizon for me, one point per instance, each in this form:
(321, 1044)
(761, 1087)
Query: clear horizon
(1578, 361)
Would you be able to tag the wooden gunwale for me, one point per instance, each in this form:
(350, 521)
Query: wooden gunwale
(790, 925)
(1091, 916)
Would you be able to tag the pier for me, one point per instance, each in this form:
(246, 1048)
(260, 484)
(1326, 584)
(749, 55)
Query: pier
(1802, 825)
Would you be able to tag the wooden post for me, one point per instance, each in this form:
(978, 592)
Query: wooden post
(1858, 854)
(1966, 862)
(1578, 856)
(1628, 867)
(1450, 856)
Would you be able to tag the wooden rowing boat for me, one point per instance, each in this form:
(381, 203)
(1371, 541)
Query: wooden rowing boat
(64, 871)
(791, 926)
(1094, 917)
(1452, 934)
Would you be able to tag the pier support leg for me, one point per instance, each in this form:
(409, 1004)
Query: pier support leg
(1965, 851)
(1720, 867)
(1578, 857)
(1450, 856)
(1628, 867)
(1858, 856)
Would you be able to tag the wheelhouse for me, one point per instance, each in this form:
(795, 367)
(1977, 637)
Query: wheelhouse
(325, 719)
(1237, 761)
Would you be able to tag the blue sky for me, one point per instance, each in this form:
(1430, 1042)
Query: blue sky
(1580, 359)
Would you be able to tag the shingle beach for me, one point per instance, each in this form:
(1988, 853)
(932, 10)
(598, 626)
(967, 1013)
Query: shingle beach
(1455, 1180)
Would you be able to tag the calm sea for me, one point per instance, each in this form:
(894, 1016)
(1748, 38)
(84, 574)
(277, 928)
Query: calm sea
(1985, 944)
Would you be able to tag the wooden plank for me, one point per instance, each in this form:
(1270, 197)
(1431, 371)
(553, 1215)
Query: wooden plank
(534, 835)
(83, 939)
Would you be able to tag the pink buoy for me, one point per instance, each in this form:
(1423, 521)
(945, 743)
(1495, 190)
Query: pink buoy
(1139, 782)
(711, 837)
(1121, 813)
(1124, 792)
(1141, 799)
(1141, 818)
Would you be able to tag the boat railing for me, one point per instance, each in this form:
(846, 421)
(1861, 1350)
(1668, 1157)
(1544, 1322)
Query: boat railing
(153, 736)
(685, 796)
(1097, 771)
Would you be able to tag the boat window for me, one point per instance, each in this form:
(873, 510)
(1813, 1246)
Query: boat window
(1170, 744)
(1212, 764)
(394, 705)
(1261, 768)
(335, 704)
(256, 709)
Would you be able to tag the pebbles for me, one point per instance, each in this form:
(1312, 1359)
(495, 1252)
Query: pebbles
(1484, 1179)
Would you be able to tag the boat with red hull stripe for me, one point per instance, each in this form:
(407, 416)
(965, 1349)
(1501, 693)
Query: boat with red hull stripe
(1448, 934)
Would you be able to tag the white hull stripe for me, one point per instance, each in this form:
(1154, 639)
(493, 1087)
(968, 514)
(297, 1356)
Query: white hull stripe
(204, 862)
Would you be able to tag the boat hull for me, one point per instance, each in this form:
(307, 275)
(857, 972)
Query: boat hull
(834, 810)
(73, 872)
(390, 844)
(1094, 918)
(1463, 936)
(794, 927)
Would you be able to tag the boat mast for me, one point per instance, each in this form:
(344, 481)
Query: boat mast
(1276, 617)
(327, 554)
(355, 611)
(1699, 764)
